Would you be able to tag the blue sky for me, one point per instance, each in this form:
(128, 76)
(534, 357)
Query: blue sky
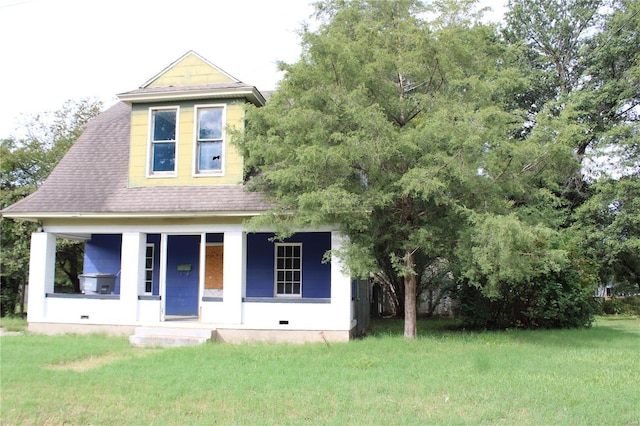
(55, 50)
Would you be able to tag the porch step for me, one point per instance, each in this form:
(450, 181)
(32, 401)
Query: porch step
(171, 337)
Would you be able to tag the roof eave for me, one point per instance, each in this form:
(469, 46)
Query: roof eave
(250, 93)
(35, 217)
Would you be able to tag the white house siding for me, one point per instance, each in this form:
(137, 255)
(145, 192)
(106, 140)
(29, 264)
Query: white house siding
(42, 269)
(132, 274)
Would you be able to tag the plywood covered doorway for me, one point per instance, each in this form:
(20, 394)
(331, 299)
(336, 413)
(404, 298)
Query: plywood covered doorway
(213, 268)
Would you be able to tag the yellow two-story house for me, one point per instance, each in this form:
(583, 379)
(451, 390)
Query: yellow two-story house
(154, 189)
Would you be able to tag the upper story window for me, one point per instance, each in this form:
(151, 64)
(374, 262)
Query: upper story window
(209, 139)
(163, 140)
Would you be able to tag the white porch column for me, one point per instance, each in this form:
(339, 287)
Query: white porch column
(340, 286)
(42, 271)
(131, 274)
(234, 274)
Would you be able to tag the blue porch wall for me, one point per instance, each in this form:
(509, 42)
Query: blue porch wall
(316, 276)
(102, 253)
(215, 238)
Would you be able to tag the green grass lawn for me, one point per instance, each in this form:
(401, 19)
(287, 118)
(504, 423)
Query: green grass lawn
(589, 376)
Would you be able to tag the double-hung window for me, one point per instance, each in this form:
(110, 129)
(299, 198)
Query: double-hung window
(163, 140)
(148, 269)
(209, 139)
(288, 270)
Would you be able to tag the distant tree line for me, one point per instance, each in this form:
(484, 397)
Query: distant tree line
(25, 163)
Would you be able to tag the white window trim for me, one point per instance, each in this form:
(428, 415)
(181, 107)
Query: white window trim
(209, 173)
(275, 272)
(150, 173)
(153, 261)
(203, 261)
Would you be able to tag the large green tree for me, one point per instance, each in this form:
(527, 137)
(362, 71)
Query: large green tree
(25, 163)
(607, 226)
(583, 97)
(584, 56)
(609, 99)
(393, 126)
(553, 33)
(587, 53)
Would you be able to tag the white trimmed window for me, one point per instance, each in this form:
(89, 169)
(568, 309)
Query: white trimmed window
(148, 269)
(163, 141)
(209, 139)
(288, 270)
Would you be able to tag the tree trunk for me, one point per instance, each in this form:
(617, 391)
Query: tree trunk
(74, 272)
(410, 288)
(23, 295)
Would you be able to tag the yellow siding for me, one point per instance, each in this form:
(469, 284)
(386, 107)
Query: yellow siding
(234, 165)
(190, 71)
(138, 147)
(185, 148)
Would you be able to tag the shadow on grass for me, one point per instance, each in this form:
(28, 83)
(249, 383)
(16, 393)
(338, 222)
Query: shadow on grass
(605, 329)
(602, 333)
(426, 327)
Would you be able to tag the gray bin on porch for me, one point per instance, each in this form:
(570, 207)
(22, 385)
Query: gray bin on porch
(97, 283)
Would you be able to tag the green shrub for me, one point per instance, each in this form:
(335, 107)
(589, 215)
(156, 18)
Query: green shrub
(516, 274)
(555, 301)
(629, 305)
(9, 294)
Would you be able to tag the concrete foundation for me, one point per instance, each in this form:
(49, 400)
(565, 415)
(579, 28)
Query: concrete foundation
(58, 328)
(281, 336)
(226, 335)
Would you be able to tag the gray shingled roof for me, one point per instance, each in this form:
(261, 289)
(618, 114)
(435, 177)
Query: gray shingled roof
(92, 179)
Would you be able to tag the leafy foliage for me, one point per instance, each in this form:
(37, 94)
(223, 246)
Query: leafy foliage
(24, 165)
(518, 275)
(607, 226)
(629, 305)
(434, 138)
(381, 127)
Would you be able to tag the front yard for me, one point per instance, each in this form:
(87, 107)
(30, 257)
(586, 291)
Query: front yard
(588, 376)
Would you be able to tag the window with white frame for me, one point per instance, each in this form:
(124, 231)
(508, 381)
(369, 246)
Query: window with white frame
(148, 269)
(209, 139)
(288, 270)
(163, 140)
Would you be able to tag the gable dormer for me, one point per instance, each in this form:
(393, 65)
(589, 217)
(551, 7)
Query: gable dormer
(179, 125)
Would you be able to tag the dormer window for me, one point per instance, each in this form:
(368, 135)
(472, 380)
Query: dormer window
(209, 139)
(163, 141)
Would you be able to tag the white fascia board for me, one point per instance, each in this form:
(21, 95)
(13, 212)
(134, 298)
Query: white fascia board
(252, 94)
(88, 215)
(17, 216)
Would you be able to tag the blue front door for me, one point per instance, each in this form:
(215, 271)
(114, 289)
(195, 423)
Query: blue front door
(183, 255)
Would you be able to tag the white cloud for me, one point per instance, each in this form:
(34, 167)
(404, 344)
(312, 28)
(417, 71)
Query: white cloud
(54, 50)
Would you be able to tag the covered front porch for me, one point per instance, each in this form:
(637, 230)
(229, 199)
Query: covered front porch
(217, 277)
